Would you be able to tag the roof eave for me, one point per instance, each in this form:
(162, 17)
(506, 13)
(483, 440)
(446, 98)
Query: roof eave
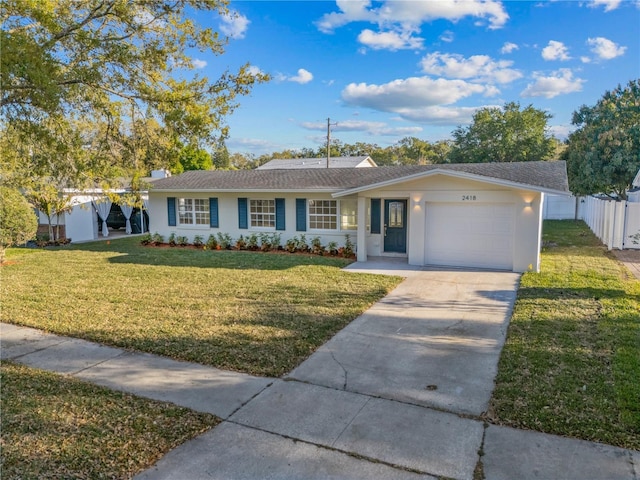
(451, 173)
(243, 190)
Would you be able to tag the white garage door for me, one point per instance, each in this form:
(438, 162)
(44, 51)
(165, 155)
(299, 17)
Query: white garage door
(469, 235)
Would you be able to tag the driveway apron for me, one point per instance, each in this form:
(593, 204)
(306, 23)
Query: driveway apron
(434, 341)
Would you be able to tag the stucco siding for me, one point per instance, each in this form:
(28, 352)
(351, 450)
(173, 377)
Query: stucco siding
(526, 207)
(228, 217)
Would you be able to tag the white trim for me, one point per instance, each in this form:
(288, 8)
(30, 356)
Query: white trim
(272, 191)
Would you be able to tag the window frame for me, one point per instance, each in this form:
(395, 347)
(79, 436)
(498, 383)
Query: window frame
(199, 212)
(271, 214)
(346, 216)
(337, 216)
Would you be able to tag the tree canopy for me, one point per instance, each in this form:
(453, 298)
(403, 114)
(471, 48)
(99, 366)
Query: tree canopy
(603, 154)
(108, 74)
(507, 134)
(193, 158)
(408, 151)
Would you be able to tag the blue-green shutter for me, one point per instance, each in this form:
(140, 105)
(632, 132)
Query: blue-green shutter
(171, 211)
(242, 213)
(375, 215)
(280, 216)
(301, 214)
(213, 213)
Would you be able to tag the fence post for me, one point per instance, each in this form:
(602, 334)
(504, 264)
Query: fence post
(617, 239)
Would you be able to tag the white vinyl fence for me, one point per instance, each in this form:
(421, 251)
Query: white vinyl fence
(562, 207)
(614, 223)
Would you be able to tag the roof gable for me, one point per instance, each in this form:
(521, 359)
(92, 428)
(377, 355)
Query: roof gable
(502, 177)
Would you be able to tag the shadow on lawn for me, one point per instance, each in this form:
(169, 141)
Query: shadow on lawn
(129, 251)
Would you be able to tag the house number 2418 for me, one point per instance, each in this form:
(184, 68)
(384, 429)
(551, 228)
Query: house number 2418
(466, 198)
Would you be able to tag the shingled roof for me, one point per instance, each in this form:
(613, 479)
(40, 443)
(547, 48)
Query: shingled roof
(542, 176)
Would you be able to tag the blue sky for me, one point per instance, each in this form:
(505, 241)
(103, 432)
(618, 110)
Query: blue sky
(386, 70)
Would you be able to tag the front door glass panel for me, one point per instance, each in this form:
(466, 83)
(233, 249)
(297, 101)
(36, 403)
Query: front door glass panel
(396, 214)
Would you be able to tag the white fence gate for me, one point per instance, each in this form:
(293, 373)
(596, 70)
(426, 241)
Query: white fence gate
(614, 223)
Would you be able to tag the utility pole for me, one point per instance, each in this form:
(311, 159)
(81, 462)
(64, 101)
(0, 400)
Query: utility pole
(329, 124)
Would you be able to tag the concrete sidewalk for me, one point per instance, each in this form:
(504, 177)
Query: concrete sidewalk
(630, 259)
(190, 385)
(397, 394)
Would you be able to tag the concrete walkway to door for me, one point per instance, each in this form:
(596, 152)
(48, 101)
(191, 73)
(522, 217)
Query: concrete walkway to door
(397, 394)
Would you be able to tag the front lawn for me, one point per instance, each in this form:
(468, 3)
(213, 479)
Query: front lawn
(59, 427)
(571, 362)
(259, 313)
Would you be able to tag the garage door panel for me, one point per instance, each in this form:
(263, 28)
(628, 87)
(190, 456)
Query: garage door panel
(478, 235)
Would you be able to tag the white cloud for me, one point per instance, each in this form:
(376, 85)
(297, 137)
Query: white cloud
(439, 115)
(414, 12)
(373, 128)
(410, 92)
(561, 132)
(555, 51)
(350, 11)
(254, 145)
(197, 63)
(303, 76)
(608, 4)
(509, 47)
(605, 49)
(447, 36)
(420, 99)
(255, 71)
(234, 25)
(558, 83)
(401, 19)
(585, 59)
(390, 40)
(477, 67)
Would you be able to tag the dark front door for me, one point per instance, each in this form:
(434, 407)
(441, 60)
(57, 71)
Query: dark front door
(395, 226)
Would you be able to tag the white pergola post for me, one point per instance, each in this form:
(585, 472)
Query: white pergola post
(361, 244)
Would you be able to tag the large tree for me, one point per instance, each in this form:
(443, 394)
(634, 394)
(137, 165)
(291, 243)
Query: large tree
(105, 66)
(508, 134)
(603, 154)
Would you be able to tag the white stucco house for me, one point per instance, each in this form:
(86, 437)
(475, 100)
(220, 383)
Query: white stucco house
(485, 215)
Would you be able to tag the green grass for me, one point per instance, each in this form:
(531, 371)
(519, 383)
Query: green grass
(244, 311)
(59, 427)
(571, 362)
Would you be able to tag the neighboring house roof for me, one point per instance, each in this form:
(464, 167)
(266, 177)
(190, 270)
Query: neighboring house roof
(636, 181)
(550, 177)
(306, 163)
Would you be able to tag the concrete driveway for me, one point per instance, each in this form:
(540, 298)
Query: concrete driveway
(434, 341)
